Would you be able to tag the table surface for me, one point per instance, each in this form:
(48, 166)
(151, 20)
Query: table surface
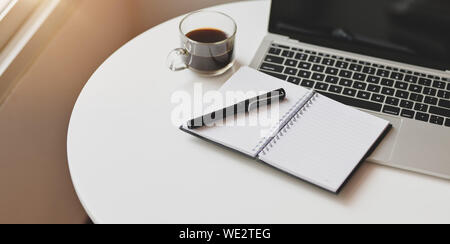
(130, 164)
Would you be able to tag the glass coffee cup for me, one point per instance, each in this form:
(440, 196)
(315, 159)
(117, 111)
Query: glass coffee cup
(207, 43)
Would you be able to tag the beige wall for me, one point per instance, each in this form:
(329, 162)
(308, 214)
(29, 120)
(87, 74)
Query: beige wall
(157, 11)
(35, 185)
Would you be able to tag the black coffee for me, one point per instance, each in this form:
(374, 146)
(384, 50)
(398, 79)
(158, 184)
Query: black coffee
(214, 56)
(207, 35)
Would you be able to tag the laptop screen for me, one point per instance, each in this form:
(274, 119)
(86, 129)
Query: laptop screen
(410, 31)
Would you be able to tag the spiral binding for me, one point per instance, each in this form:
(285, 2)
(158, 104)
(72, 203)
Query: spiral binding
(286, 122)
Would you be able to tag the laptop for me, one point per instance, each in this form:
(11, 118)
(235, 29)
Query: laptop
(390, 58)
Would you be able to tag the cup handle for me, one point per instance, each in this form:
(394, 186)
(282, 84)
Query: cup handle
(176, 61)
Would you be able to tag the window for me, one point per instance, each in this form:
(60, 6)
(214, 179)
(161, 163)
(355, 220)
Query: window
(19, 21)
(5, 5)
(12, 15)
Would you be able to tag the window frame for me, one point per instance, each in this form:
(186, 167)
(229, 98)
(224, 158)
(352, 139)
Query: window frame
(21, 20)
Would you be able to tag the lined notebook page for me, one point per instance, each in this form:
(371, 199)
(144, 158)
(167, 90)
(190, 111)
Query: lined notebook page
(246, 138)
(326, 143)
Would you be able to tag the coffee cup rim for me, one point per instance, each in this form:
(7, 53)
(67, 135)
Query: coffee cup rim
(208, 11)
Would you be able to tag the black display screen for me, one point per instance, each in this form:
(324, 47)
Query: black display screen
(411, 31)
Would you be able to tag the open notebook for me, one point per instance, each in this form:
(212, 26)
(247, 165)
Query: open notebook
(313, 137)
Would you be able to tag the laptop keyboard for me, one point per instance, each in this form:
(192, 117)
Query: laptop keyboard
(362, 84)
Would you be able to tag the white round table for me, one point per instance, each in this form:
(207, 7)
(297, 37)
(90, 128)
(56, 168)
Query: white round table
(130, 164)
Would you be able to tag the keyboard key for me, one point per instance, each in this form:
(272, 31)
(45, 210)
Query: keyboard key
(415, 88)
(349, 92)
(272, 67)
(301, 56)
(422, 117)
(341, 64)
(388, 91)
(387, 82)
(332, 79)
(327, 61)
(294, 80)
(291, 62)
(447, 122)
(374, 88)
(317, 76)
(276, 75)
(318, 68)
(359, 85)
(308, 83)
(331, 71)
(402, 94)
(377, 98)
(383, 73)
(411, 79)
(363, 95)
(421, 107)
(355, 67)
(424, 82)
(373, 79)
(304, 65)
(315, 59)
(290, 71)
(359, 76)
(431, 100)
(345, 74)
(439, 84)
(304, 74)
(346, 82)
(448, 86)
(401, 85)
(355, 102)
(274, 59)
(444, 103)
(288, 54)
(406, 104)
(335, 89)
(321, 86)
(369, 70)
(392, 101)
(430, 91)
(275, 51)
(407, 113)
(439, 111)
(443, 94)
(436, 120)
(416, 97)
(397, 76)
(391, 110)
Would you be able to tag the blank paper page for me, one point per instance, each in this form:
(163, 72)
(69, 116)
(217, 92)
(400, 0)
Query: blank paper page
(326, 143)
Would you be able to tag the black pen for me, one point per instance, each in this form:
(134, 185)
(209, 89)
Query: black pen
(244, 106)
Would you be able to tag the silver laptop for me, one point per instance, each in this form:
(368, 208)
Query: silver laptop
(387, 57)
